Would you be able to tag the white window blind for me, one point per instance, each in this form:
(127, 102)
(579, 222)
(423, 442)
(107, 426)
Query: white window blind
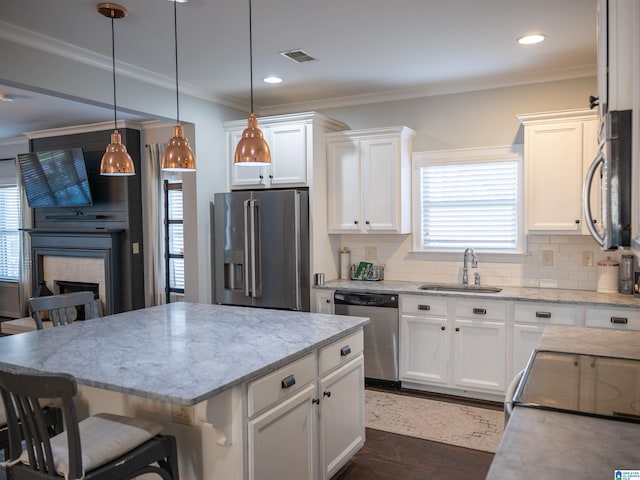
(9, 236)
(175, 238)
(470, 198)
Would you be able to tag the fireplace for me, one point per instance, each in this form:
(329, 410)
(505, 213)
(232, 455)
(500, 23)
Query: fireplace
(65, 286)
(69, 260)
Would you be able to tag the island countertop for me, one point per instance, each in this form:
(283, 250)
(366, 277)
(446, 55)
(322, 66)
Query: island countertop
(180, 353)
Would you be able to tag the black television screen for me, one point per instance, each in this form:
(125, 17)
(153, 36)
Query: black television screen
(56, 178)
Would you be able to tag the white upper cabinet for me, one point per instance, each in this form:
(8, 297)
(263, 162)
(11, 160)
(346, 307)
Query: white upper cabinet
(559, 147)
(368, 180)
(291, 143)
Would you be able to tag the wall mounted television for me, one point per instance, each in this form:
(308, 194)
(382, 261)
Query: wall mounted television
(56, 178)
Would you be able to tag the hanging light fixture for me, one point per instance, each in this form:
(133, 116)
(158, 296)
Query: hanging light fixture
(178, 156)
(252, 149)
(115, 161)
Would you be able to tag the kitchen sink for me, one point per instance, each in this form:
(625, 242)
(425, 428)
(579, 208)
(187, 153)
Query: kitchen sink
(453, 287)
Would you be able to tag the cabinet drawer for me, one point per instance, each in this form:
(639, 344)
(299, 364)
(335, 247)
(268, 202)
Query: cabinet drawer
(545, 314)
(481, 308)
(340, 352)
(423, 305)
(280, 384)
(612, 318)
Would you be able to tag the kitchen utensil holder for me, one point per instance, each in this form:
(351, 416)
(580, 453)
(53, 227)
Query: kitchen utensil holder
(375, 274)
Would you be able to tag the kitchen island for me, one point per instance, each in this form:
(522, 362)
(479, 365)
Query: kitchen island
(545, 444)
(206, 372)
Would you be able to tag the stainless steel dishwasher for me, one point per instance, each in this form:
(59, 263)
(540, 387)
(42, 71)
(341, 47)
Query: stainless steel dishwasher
(380, 334)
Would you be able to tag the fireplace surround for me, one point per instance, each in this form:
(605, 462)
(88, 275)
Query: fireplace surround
(100, 244)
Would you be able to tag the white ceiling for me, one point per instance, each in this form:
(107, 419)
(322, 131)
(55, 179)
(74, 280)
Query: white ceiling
(366, 50)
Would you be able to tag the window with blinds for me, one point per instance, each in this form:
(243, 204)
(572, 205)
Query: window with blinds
(469, 198)
(174, 238)
(9, 235)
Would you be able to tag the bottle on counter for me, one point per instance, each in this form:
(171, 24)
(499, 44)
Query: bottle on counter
(345, 264)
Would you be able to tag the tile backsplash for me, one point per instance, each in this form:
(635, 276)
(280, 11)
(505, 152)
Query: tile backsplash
(562, 268)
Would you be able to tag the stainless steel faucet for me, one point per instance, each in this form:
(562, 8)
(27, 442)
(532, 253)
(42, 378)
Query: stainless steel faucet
(474, 264)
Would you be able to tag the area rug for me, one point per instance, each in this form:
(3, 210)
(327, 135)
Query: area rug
(455, 424)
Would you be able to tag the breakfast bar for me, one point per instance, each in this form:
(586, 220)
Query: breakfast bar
(203, 371)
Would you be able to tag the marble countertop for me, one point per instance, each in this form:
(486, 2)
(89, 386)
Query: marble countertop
(541, 444)
(180, 353)
(548, 295)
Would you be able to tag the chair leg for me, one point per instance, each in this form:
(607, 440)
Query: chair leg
(170, 463)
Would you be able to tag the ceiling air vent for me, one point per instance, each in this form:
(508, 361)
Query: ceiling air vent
(299, 56)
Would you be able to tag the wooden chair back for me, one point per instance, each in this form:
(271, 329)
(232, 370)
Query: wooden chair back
(30, 436)
(61, 309)
(21, 395)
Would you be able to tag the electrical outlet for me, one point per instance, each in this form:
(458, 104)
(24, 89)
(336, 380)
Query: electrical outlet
(587, 259)
(371, 253)
(547, 258)
(182, 414)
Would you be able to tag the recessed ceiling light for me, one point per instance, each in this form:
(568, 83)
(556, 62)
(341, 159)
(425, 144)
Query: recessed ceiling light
(272, 79)
(531, 39)
(4, 97)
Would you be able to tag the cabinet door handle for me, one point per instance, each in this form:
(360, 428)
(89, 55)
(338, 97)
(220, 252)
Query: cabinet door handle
(443, 328)
(480, 311)
(316, 401)
(620, 320)
(328, 300)
(457, 329)
(261, 177)
(424, 307)
(366, 222)
(543, 314)
(289, 381)
(355, 222)
(577, 222)
(270, 176)
(327, 394)
(344, 351)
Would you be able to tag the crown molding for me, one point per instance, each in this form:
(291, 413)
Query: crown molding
(89, 127)
(9, 142)
(444, 88)
(53, 46)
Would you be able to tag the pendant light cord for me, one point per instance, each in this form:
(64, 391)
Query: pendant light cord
(175, 42)
(251, 56)
(113, 69)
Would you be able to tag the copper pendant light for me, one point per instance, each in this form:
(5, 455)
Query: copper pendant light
(115, 161)
(252, 149)
(178, 156)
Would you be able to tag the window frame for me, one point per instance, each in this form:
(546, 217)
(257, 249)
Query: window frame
(467, 156)
(169, 290)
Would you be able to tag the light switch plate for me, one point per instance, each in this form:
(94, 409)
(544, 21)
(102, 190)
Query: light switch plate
(587, 258)
(547, 258)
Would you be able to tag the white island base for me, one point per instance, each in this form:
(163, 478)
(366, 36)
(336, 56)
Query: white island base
(260, 429)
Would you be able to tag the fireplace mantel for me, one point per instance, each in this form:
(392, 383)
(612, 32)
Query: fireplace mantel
(99, 243)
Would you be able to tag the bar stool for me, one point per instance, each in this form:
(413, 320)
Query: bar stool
(103, 446)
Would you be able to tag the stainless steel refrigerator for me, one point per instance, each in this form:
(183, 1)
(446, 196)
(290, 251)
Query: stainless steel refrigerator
(261, 249)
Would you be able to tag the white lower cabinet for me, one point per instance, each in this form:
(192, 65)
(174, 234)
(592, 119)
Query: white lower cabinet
(529, 322)
(341, 416)
(306, 419)
(323, 301)
(282, 441)
(424, 351)
(480, 345)
(442, 343)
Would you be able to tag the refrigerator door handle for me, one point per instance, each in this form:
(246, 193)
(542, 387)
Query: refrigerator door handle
(247, 267)
(297, 251)
(256, 250)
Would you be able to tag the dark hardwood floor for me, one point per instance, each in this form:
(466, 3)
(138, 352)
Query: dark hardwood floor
(388, 456)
